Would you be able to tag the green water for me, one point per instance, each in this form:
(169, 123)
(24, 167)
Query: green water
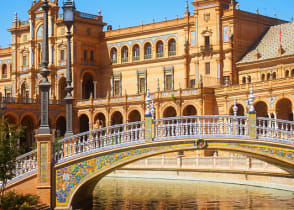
(131, 193)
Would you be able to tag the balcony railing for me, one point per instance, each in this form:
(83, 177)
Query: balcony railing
(114, 61)
(206, 48)
(146, 57)
(172, 53)
(4, 76)
(125, 60)
(159, 55)
(136, 58)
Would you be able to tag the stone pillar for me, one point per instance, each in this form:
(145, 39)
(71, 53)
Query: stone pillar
(81, 89)
(95, 89)
(44, 167)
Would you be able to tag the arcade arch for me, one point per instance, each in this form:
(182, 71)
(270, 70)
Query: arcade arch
(284, 109)
(134, 116)
(189, 110)
(84, 123)
(169, 112)
(116, 118)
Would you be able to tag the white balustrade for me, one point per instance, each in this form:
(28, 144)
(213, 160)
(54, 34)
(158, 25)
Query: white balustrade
(26, 163)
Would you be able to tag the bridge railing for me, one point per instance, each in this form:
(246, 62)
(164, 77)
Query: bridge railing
(26, 163)
(100, 139)
(277, 129)
(201, 126)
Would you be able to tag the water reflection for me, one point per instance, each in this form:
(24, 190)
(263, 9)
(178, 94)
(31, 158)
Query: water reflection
(122, 193)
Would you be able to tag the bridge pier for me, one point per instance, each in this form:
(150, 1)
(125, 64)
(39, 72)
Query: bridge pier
(44, 167)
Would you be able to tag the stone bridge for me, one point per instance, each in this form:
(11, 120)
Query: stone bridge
(63, 172)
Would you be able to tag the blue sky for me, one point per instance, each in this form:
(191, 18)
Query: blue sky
(133, 12)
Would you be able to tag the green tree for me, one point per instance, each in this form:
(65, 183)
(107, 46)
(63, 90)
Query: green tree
(9, 150)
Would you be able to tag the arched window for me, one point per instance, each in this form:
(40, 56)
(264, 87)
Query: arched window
(274, 75)
(287, 73)
(4, 71)
(268, 76)
(147, 51)
(249, 79)
(124, 55)
(172, 47)
(40, 32)
(244, 80)
(292, 73)
(159, 49)
(262, 77)
(136, 53)
(113, 54)
(85, 55)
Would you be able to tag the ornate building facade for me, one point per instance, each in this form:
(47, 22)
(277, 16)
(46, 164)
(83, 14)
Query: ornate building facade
(194, 65)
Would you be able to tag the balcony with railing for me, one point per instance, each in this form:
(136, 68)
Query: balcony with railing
(113, 61)
(206, 48)
(4, 76)
(159, 55)
(172, 53)
(125, 60)
(147, 57)
(136, 58)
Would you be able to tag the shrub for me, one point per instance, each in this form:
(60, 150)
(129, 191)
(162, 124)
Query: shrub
(13, 201)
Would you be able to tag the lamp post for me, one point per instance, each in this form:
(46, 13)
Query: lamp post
(45, 84)
(68, 19)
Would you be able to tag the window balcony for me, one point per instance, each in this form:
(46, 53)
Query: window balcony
(206, 48)
(113, 61)
(136, 58)
(4, 76)
(172, 53)
(125, 60)
(159, 55)
(146, 57)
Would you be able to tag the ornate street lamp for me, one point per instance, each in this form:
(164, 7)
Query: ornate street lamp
(68, 20)
(45, 84)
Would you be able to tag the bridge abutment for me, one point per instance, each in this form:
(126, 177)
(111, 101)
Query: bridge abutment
(44, 167)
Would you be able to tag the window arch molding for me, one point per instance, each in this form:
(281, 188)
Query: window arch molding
(160, 50)
(172, 46)
(113, 54)
(148, 49)
(125, 53)
(135, 51)
(39, 32)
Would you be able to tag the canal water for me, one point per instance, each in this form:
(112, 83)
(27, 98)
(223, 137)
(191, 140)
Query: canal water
(133, 193)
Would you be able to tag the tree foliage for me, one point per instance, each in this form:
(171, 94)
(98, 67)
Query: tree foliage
(9, 150)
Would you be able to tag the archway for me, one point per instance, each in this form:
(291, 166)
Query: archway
(284, 109)
(240, 111)
(189, 110)
(88, 86)
(84, 123)
(61, 87)
(116, 118)
(60, 126)
(134, 116)
(28, 140)
(101, 118)
(169, 112)
(261, 109)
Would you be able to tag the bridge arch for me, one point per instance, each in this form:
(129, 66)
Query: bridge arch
(92, 168)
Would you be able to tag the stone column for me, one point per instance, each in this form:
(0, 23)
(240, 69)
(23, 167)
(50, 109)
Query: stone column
(44, 167)
(95, 89)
